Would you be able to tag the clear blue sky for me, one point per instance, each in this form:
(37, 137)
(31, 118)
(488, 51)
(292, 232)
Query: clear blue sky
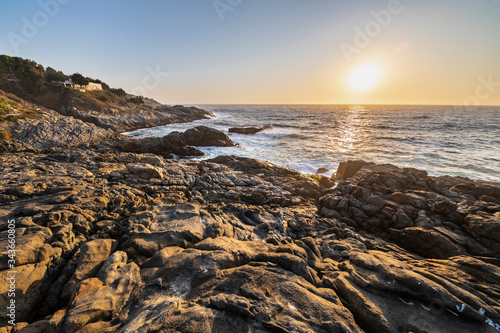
(267, 51)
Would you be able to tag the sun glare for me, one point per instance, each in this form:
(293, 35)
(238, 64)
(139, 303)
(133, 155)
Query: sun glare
(365, 77)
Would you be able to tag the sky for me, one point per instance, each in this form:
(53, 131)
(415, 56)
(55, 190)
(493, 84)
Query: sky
(268, 51)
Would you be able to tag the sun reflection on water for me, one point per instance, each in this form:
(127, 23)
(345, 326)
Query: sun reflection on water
(350, 135)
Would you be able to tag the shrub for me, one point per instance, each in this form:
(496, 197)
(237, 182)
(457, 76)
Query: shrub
(53, 75)
(136, 100)
(118, 92)
(5, 135)
(103, 98)
(78, 78)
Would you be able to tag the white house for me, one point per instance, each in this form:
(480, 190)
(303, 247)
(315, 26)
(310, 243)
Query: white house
(93, 86)
(90, 86)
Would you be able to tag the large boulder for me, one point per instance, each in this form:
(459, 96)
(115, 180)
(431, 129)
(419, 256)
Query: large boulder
(91, 257)
(350, 168)
(203, 136)
(178, 143)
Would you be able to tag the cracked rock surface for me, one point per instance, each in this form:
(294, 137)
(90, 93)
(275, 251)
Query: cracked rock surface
(114, 241)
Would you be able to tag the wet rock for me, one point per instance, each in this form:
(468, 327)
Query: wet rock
(249, 129)
(178, 143)
(206, 136)
(322, 170)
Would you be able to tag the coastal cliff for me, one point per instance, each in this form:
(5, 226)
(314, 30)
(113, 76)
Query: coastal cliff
(114, 240)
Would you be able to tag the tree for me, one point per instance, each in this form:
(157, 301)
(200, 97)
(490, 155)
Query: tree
(53, 75)
(79, 79)
(118, 92)
(136, 100)
(30, 75)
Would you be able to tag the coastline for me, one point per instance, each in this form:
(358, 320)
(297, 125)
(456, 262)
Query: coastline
(432, 139)
(111, 237)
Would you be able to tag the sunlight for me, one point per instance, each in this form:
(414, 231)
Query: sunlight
(365, 77)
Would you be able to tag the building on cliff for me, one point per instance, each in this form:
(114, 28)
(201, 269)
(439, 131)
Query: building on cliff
(88, 87)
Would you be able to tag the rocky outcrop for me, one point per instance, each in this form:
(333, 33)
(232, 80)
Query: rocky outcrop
(51, 129)
(178, 143)
(298, 184)
(416, 211)
(249, 129)
(124, 242)
(122, 119)
(203, 136)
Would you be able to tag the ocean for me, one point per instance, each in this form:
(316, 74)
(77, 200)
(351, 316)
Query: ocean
(443, 140)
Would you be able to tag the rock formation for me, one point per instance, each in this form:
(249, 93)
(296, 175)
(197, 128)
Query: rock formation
(249, 129)
(122, 119)
(120, 242)
(178, 143)
(124, 240)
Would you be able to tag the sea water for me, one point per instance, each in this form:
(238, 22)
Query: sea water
(443, 140)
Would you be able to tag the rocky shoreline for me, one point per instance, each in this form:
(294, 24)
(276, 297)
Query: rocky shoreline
(114, 239)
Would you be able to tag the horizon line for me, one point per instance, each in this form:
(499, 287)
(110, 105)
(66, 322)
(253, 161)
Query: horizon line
(344, 104)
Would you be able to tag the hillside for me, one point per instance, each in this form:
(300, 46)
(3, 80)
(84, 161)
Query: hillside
(33, 100)
(31, 81)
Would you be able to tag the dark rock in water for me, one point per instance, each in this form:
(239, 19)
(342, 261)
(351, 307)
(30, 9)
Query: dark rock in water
(179, 143)
(205, 136)
(249, 129)
(349, 168)
(322, 170)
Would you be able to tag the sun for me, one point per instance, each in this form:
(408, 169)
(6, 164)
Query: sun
(365, 77)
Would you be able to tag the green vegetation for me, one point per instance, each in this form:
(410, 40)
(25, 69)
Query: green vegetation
(28, 75)
(136, 100)
(103, 98)
(6, 106)
(26, 78)
(78, 78)
(32, 82)
(118, 92)
(5, 135)
(10, 110)
(53, 75)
